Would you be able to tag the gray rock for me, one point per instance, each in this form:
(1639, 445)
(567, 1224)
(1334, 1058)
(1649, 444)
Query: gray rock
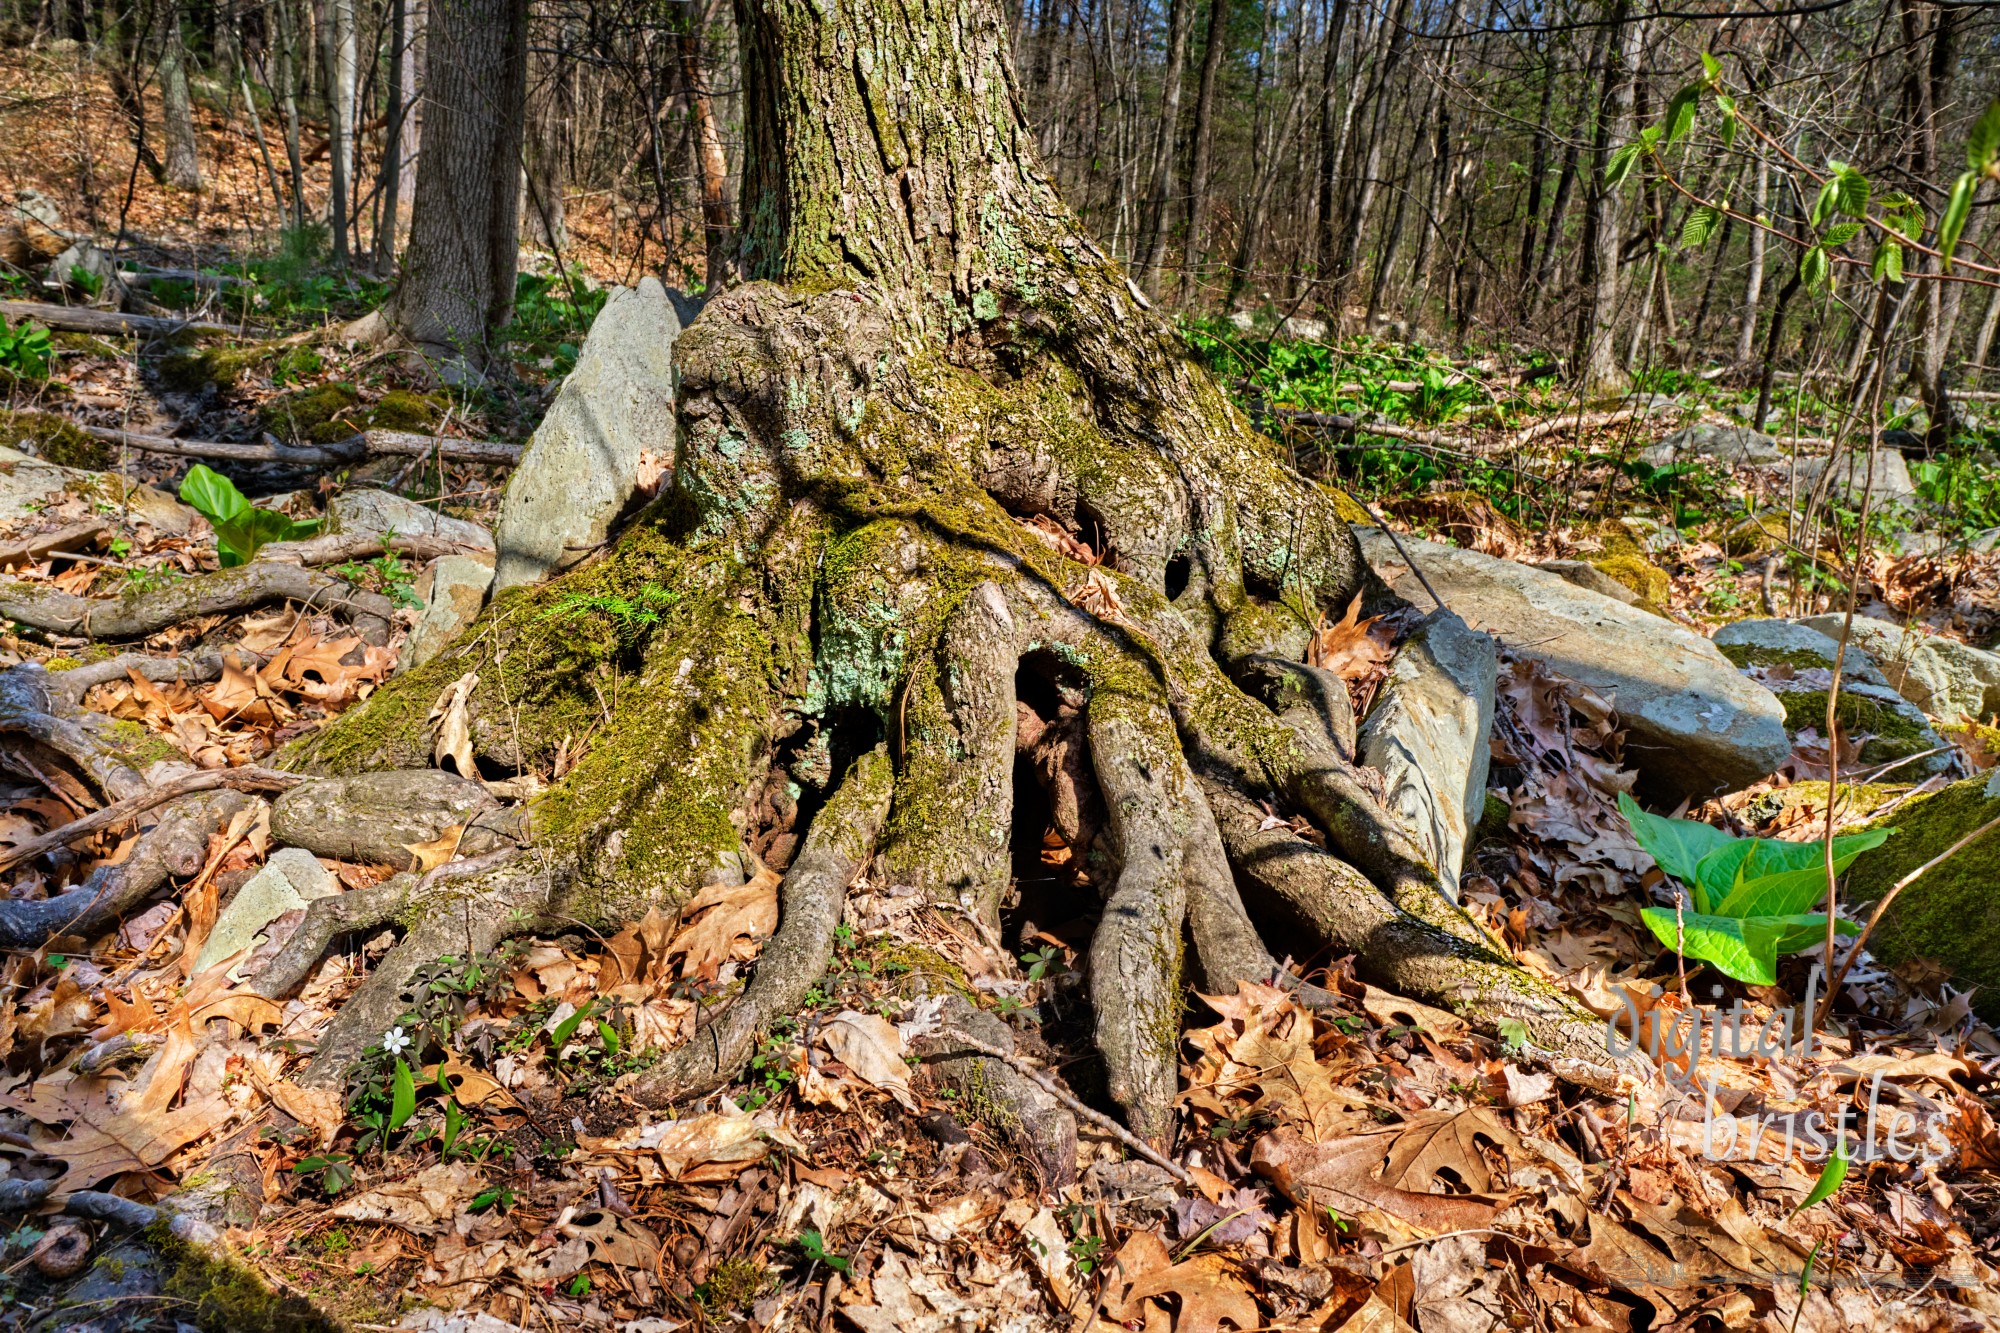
(1302, 327)
(1984, 543)
(374, 817)
(1794, 660)
(1944, 677)
(579, 472)
(290, 879)
(369, 512)
(156, 507)
(1427, 735)
(453, 589)
(1850, 473)
(98, 269)
(1695, 725)
(1731, 445)
(1586, 575)
(27, 484)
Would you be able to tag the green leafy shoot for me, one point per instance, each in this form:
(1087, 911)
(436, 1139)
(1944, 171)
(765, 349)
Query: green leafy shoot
(1753, 898)
(241, 528)
(813, 1246)
(25, 350)
(1831, 1177)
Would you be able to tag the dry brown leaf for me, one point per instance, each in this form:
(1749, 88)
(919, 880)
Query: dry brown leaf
(246, 1009)
(1346, 648)
(424, 1203)
(652, 468)
(454, 726)
(438, 851)
(730, 916)
(871, 1047)
(64, 1012)
(1209, 1293)
(1341, 1175)
(322, 1110)
(1097, 595)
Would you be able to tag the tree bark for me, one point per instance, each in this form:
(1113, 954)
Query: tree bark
(458, 280)
(714, 165)
(183, 160)
(1213, 50)
(1596, 354)
(1159, 207)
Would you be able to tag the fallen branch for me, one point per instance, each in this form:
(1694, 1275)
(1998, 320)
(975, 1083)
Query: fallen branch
(235, 779)
(53, 611)
(333, 548)
(79, 681)
(83, 319)
(353, 449)
(1579, 423)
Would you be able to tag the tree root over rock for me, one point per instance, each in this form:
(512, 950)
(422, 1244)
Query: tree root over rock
(47, 608)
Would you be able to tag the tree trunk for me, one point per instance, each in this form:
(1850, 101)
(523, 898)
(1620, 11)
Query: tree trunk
(855, 617)
(1753, 288)
(288, 93)
(338, 58)
(1597, 365)
(465, 222)
(183, 161)
(1159, 208)
(1213, 50)
(542, 171)
(714, 166)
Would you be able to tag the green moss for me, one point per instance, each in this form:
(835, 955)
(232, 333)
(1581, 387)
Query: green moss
(223, 1293)
(190, 370)
(320, 415)
(1893, 733)
(1349, 508)
(1493, 818)
(920, 966)
(1951, 914)
(1640, 575)
(402, 409)
(1749, 655)
(734, 1284)
(54, 439)
(88, 344)
(1754, 536)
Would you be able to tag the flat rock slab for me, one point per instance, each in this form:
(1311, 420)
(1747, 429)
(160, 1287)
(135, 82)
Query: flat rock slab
(1427, 735)
(452, 591)
(375, 817)
(1851, 473)
(1695, 725)
(1724, 444)
(290, 879)
(1586, 575)
(370, 512)
(1795, 661)
(1944, 677)
(580, 472)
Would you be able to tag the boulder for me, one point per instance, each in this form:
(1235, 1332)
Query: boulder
(452, 591)
(168, 515)
(1729, 445)
(89, 272)
(1944, 677)
(1427, 735)
(1695, 725)
(580, 472)
(27, 484)
(369, 512)
(1795, 662)
(1585, 575)
(1850, 472)
(1951, 914)
(290, 879)
(375, 817)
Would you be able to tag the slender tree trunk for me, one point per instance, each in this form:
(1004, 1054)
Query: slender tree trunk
(1596, 357)
(1249, 245)
(1159, 210)
(337, 58)
(390, 179)
(1213, 49)
(183, 159)
(458, 274)
(543, 172)
(1335, 106)
(714, 166)
(1537, 169)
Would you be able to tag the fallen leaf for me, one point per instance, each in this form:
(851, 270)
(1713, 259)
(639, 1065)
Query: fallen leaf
(1341, 1175)
(449, 715)
(424, 1203)
(1346, 648)
(1207, 1291)
(1097, 595)
(322, 1110)
(871, 1047)
(728, 915)
(428, 856)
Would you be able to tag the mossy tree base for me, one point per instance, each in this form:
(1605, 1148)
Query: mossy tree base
(939, 476)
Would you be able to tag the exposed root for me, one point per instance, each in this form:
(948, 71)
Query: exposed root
(837, 847)
(1135, 954)
(461, 911)
(73, 684)
(1404, 953)
(327, 919)
(28, 707)
(173, 846)
(376, 817)
(223, 592)
(1034, 1117)
(236, 779)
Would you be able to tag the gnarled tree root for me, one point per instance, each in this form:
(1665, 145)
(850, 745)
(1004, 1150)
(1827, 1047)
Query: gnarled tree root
(1039, 1126)
(226, 591)
(837, 847)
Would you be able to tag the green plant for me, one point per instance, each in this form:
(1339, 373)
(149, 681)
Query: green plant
(386, 574)
(85, 281)
(25, 350)
(241, 528)
(633, 616)
(813, 1246)
(1753, 897)
(334, 1169)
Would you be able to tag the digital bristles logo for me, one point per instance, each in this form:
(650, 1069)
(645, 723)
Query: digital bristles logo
(1863, 1130)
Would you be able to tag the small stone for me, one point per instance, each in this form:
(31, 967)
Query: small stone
(1731, 445)
(1695, 725)
(291, 878)
(90, 272)
(580, 473)
(452, 589)
(369, 512)
(1427, 735)
(27, 484)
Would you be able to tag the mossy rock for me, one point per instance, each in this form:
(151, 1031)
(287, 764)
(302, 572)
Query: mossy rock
(1646, 579)
(1349, 508)
(191, 370)
(54, 440)
(1951, 914)
(217, 1292)
(1856, 800)
(403, 409)
(1895, 728)
(1754, 535)
(319, 415)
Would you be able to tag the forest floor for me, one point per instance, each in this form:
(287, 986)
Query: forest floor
(499, 1172)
